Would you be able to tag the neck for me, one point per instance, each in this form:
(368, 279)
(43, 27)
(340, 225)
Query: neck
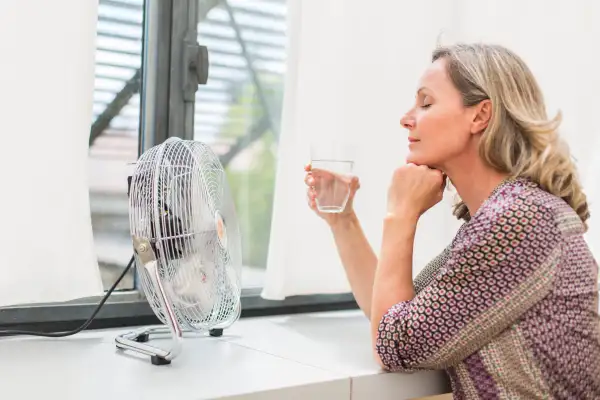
(474, 181)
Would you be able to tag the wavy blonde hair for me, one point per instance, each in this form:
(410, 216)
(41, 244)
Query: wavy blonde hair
(520, 139)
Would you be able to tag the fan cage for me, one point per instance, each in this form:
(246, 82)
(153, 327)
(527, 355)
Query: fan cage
(180, 201)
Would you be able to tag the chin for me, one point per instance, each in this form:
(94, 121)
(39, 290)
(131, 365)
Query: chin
(415, 158)
(420, 159)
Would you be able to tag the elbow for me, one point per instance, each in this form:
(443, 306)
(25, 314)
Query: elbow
(395, 349)
(394, 363)
(389, 340)
(377, 354)
(380, 362)
(398, 345)
(392, 358)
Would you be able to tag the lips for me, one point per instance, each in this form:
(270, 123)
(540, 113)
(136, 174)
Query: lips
(412, 140)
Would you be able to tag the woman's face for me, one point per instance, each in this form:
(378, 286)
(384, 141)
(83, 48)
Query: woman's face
(439, 126)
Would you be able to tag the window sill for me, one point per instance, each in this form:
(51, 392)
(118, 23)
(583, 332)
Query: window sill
(130, 308)
(314, 356)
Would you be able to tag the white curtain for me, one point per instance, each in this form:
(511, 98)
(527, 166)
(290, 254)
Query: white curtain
(46, 88)
(353, 68)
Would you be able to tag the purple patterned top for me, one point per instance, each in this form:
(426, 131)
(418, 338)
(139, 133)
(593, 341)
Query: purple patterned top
(509, 309)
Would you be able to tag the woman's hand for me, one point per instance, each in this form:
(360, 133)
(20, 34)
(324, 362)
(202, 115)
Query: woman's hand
(331, 218)
(414, 190)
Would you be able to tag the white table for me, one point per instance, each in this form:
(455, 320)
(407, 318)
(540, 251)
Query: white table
(304, 356)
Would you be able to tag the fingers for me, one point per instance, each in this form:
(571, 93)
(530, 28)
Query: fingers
(444, 180)
(311, 198)
(355, 183)
(309, 180)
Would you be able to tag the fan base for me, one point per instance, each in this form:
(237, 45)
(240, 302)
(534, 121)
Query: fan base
(156, 360)
(143, 338)
(217, 332)
(133, 341)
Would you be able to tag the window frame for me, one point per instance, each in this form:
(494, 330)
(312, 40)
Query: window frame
(167, 24)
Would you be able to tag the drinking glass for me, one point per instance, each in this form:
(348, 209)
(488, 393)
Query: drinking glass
(332, 167)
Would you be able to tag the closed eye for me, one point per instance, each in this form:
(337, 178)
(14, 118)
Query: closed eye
(426, 102)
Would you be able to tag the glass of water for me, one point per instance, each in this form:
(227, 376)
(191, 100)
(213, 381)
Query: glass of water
(332, 168)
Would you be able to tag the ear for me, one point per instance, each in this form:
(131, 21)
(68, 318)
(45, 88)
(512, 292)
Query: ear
(482, 116)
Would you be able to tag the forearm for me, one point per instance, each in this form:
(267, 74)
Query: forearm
(358, 258)
(393, 278)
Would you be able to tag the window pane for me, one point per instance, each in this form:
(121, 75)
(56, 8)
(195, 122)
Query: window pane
(114, 135)
(238, 111)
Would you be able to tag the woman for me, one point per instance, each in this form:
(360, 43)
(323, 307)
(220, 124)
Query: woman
(510, 307)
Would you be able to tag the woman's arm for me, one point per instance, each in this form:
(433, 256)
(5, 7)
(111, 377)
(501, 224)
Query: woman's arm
(358, 259)
(393, 279)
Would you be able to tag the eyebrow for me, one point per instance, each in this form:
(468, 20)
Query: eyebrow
(420, 90)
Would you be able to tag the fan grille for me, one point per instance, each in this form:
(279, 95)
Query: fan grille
(180, 201)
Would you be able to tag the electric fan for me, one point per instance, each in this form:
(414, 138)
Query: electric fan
(187, 245)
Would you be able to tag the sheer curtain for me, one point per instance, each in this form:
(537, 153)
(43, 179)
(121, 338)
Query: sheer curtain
(46, 81)
(352, 72)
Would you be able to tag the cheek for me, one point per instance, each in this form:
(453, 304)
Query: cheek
(442, 128)
(442, 136)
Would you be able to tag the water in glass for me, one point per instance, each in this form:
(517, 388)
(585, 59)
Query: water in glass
(332, 184)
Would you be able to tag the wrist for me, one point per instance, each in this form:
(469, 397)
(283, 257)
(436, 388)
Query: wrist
(343, 221)
(403, 216)
(399, 227)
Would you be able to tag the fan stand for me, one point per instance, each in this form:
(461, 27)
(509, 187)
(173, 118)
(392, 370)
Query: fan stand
(144, 336)
(136, 340)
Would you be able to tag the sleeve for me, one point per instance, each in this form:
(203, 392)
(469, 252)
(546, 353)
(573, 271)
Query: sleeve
(430, 270)
(498, 269)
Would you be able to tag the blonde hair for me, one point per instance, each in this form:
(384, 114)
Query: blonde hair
(520, 139)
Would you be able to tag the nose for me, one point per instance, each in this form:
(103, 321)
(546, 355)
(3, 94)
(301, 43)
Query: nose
(407, 122)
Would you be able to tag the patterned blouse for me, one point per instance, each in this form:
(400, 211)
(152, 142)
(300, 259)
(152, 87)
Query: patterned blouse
(509, 309)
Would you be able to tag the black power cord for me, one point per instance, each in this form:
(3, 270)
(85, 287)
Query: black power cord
(85, 324)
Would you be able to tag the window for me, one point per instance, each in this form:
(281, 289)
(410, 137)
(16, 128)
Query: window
(237, 112)
(114, 136)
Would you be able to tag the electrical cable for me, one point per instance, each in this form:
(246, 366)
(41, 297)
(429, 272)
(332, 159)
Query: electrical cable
(85, 324)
